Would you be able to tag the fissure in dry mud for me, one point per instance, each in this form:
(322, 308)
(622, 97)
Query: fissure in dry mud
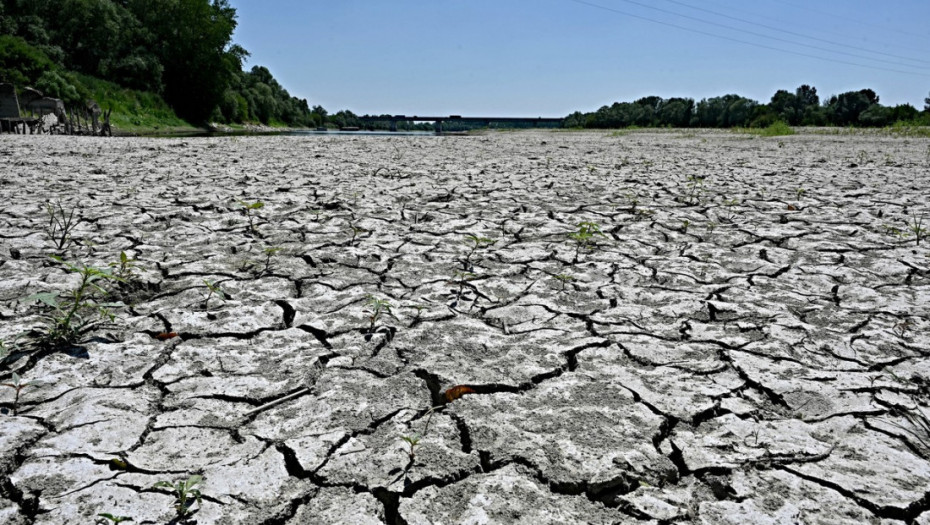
(536, 327)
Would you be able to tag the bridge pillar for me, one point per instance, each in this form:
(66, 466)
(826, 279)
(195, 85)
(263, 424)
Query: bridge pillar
(393, 125)
(438, 126)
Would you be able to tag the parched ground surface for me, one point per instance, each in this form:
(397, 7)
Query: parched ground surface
(747, 342)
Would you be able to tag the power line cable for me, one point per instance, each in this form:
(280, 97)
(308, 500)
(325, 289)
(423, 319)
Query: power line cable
(761, 35)
(850, 19)
(787, 31)
(746, 42)
(824, 30)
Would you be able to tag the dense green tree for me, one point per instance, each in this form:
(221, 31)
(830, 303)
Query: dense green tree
(676, 112)
(726, 111)
(870, 95)
(807, 96)
(904, 113)
(319, 113)
(20, 62)
(876, 115)
(193, 41)
(787, 107)
(844, 109)
(181, 49)
(346, 119)
(575, 120)
(802, 107)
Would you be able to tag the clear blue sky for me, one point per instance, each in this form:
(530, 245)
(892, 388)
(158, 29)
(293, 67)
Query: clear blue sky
(552, 57)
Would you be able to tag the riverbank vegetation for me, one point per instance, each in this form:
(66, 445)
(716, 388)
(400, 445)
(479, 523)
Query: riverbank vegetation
(167, 63)
(801, 108)
(154, 62)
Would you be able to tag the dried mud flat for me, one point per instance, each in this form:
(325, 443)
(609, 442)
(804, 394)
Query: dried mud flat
(730, 350)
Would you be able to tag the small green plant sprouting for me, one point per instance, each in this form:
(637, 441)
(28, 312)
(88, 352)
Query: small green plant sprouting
(105, 517)
(584, 237)
(711, 226)
(269, 252)
(185, 493)
(419, 308)
(17, 384)
(125, 267)
(249, 208)
(376, 308)
(563, 278)
(730, 204)
(412, 442)
(461, 279)
(355, 231)
(633, 199)
(800, 193)
(475, 243)
(60, 226)
(916, 227)
(694, 188)
(213, 288)
(684, 225)
(79, 311)
(894, 231)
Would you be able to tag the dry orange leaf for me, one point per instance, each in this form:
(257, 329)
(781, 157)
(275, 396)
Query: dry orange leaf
(456, 392)
(792, 207)
(164, 336)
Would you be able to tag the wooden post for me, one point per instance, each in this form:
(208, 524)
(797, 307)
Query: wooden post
(106, 129)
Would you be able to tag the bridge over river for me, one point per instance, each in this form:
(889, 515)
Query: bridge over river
(394, 119)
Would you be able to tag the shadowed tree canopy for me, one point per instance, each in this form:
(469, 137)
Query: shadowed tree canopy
(179, 49)
(193, 39)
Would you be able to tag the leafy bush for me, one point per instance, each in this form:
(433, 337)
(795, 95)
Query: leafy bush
(21, 63)
(131, 109)
(775, 129)
(63, 86)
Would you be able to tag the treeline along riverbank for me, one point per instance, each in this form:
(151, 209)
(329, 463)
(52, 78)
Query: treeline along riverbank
(173, 64)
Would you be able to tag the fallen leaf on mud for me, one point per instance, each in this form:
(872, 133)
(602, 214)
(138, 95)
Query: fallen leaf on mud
(791, 207)
(456, 392)
(164, 336)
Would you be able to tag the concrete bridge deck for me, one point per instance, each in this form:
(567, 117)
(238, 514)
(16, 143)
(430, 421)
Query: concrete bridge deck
(394, 119)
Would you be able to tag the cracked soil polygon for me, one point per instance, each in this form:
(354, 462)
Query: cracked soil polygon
(747, 345)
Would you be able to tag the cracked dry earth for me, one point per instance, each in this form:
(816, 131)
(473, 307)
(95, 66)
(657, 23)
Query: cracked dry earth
(730, 350)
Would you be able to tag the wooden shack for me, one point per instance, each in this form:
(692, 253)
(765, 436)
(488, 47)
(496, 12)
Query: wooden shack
(11, 120)
(49, 115)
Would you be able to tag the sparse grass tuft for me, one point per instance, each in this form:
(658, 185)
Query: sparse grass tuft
(776, 129)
